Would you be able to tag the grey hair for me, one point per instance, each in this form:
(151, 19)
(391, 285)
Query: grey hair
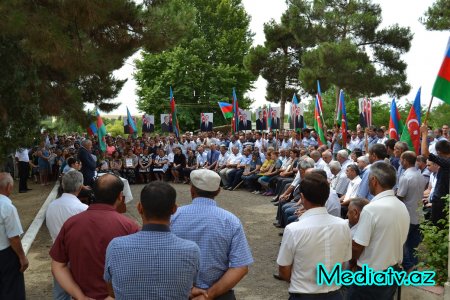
(343, 153)
(363, 158)
(85, 142)
(327, 153)
(334, 165)
(402, 145)
(359, 203)
(72, 181)
(5, 179)
(306, 163)
(384, 173)
(315, 154)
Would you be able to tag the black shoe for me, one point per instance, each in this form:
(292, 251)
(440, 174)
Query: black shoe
(29, 189)
(280, 233)
(22, 191)
(274, 200)
(277, 277)
(276, 203)
(277, 225)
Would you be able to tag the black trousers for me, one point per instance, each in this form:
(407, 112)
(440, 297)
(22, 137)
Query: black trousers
(227, 296)
(24, 171)
(12, 283)
(335, 295)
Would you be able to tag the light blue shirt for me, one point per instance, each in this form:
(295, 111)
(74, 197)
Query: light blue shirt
(9, 222)
(218, 233)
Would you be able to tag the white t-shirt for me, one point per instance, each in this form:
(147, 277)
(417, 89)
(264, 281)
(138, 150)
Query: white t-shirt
(382, 229)
(317, 237)
(60, 210)
(352, 189)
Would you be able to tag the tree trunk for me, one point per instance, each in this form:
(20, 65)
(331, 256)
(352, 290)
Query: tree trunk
(282, 105)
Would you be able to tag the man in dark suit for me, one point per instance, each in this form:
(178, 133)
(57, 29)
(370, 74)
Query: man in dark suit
(244, 124)
(206, 125)
(88, 163)
(261, 123)
(275, 122)
(147, 125)
(166, 126)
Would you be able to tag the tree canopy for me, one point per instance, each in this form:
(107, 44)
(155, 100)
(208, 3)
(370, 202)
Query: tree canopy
(437, 16)
(59, 55)
(203, 69)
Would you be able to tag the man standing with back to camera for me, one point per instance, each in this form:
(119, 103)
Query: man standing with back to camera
(224, 251)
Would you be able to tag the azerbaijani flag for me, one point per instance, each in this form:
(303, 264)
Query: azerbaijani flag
(92, 128)
(235, 120)
(319, 96)
(101, 130)
(395, 122)
(411, 134)
(441, 88)
(342, 118)
(318, 125)
(227, 109)
(132, 129)
(173, 108)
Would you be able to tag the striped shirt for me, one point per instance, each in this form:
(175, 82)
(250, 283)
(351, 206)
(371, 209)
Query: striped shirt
(218, 233)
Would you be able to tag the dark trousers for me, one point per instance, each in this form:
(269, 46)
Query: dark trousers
(335, 295)
(412, 241)
(372, 292)
(12, 283)
(236, 178)
(437, 211)
(227, 296)
(24, 171)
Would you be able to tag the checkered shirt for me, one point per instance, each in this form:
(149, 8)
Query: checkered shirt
(218, 233)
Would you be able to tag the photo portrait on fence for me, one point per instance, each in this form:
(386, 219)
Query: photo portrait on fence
(274, 118)
(245, 117)
(148, 123)
(261, 118)
(296, 116)
(206, 121)
(166, 123)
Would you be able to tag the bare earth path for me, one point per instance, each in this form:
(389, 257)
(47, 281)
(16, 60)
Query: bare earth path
(255, 212)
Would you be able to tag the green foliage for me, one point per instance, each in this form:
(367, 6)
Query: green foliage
(437, 17)
(278, 62)
(61, 125)
(343, 46)
(203, 69)
(58, 56)
(433, 251)
(439, 115)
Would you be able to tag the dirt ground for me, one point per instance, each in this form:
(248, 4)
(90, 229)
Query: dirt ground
(255, 212)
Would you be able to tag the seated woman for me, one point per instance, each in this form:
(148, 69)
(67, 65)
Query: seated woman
(179, 163)
(191, 165)
(161, 164)
(115, 164)
(130, 162)
(273, 170)
(145, 161)
(250, 175)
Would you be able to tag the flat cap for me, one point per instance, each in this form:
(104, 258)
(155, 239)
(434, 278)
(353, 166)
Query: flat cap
(205, 180)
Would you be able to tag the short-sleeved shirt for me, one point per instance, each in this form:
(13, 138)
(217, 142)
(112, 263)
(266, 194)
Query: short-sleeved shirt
(218, 233)
(316, 238)
(60, 210)
(410, 187)
(382, 229)
(152, 264)
(9, 222)
(442, 178)
(82, 241)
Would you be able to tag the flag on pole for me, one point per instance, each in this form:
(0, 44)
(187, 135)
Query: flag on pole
(319, 96)
(318, 125)
(395, 123)
(342, 118)
(92, 128)
(101, 130)
(368, 111)
(441, 87)
(173, 108)
(227, 109)
(132, 129)
(235, 124)
(269, 119)
(411, 134)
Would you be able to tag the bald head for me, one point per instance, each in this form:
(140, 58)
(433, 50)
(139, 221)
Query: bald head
(6, 183)
(107, 189)
(315, 155)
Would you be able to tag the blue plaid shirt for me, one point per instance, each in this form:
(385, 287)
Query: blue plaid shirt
(152, 264)
(218, 233)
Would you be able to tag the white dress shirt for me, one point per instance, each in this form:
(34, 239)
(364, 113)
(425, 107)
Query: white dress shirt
(9, 222)
(342, 181)
(321, 165)
(352, 189)
(22, 155)
(382, 229)
(60, 210)
(317, 237)
(333, 205)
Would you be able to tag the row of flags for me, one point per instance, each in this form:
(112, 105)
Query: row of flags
(408, 131)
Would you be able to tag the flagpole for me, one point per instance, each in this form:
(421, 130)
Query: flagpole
(428, 111)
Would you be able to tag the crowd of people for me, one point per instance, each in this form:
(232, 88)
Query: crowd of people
(358, 201)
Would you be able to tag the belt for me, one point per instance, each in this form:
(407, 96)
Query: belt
(317, 295)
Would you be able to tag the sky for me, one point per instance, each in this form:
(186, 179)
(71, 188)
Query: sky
(423, 59)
